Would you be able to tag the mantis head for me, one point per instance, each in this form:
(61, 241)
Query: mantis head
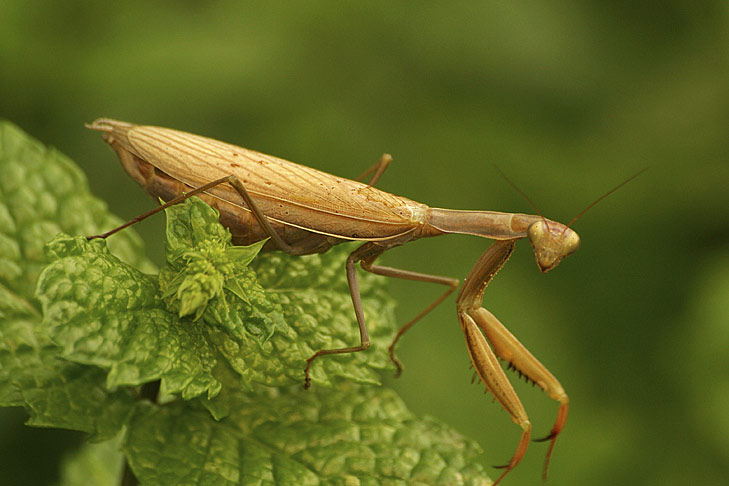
(551, 243)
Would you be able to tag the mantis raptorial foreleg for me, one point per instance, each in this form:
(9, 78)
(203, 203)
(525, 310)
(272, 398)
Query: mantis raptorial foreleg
(478, 322)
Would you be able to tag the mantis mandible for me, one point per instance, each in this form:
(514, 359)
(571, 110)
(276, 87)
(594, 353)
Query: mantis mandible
(303, 211)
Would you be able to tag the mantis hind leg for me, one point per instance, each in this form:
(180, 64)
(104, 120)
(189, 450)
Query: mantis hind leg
(156, 210)
(376, 170)
(238, 186)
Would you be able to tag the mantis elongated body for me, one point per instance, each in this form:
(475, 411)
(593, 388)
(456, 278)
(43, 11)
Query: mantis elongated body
(303, 210)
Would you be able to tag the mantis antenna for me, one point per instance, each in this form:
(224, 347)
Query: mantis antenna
(589, 206)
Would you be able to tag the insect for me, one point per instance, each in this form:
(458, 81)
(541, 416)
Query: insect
(303, 211)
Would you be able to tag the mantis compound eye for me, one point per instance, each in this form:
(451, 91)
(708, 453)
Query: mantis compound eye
(536, 233)
(571, 242)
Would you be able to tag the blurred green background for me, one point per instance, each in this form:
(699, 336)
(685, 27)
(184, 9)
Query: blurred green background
(567, 98)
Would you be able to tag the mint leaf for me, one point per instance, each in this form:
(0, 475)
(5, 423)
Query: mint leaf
(56, 393)
(105, 313)
(312, 310)
(358, 435)
(41, 193)
(202, 264)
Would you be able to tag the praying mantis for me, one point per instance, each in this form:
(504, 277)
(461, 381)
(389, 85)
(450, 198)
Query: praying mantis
(302, 211)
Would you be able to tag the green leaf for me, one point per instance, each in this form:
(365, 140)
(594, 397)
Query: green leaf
(56, 393)
(106, 313)
(42, 193)
(202, 264)
(216, 324)
(358, 435)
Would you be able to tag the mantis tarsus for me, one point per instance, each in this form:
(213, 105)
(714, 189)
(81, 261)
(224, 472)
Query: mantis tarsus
(303, 210)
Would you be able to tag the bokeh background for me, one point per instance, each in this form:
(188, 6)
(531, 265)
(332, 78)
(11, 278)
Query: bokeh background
(567, 98)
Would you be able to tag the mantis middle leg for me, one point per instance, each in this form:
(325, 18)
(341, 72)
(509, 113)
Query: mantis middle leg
(451, 283)
(366, 255)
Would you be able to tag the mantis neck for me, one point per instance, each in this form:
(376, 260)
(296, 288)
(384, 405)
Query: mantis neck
(488, 224)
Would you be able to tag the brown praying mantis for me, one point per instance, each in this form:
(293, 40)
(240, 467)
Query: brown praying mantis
(303, 211)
